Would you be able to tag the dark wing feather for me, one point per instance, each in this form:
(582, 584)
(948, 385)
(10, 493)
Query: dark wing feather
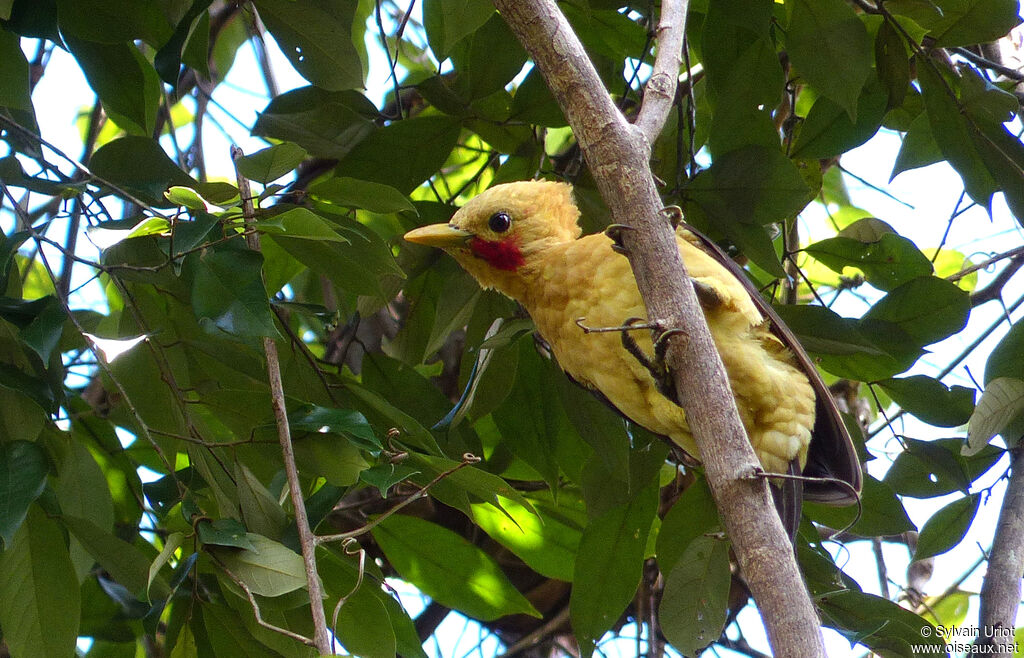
(831, 455)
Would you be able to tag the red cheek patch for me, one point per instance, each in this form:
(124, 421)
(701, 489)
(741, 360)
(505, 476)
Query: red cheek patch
(503, 255)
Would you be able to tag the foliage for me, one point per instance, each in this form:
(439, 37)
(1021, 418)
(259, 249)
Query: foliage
(143, 501)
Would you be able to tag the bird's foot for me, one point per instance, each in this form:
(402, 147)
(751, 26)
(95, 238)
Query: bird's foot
(614, 231)
(674, 215)
(659, 372)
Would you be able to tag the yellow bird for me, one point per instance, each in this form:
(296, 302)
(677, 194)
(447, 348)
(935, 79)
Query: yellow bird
(523, 240)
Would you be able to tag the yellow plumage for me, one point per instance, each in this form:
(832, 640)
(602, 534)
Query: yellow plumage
(539, 260)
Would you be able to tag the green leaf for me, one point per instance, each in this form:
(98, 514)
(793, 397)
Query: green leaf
(1000, 411)
(125, 563)
(23, 471)
(829, 45)
(691, 516)
(316, 37)
(931, 400)
(840, 347)
(753, 185)
(39, 592)
(228, 294)
(449, 569)
(743, 69)
(404, 153)
(271, 163)
(695, 602)
(947, 527)
(168, 58)
(969, 22)
(351, 423)
(935, 468)
(892, 63)
(828, 130)
(918, 148)
(224, 532)
(139, 165)
(882, 512)
(229, 637)
(1007, 357)
(15, 91)
(114, 21)
(125, 81)
(880, 624)
(448, 22)
(609, 564)
(954, 133)
(268, 569)
(172, 543)
(545, 538)
(927, 308)
(887, 262)
(489, 68)
(327, 124)
(354, 193)
(301, 223)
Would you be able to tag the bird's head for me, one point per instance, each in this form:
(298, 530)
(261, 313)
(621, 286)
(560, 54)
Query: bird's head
(499, 235)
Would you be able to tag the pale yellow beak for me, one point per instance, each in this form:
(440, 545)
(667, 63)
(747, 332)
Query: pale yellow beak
(439, 235)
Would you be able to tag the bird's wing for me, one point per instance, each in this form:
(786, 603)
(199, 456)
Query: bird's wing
(831, 455)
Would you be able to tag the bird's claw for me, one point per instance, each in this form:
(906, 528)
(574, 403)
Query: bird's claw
(674, 215)
(614, 231)
(656, 366)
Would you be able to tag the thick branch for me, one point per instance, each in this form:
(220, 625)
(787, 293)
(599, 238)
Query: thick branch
(617, 154)
(1000, 593)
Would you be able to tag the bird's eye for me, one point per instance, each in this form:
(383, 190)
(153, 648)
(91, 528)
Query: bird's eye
(499, 222)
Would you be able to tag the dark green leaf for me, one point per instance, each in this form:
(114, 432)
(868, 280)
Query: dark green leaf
(271, 163)
(935, 468)
(609, 563)
(224, 532)
(947, 527)
(39, 592)
(742, 66)
(691, 516)
(404, 153)
(354, 193)
(316, 36)
(114, 21)
(15, 92)
(533, 103)
(23, 471)
(327, 124)
(828, 131)
(892, 63)
(829, 45)
(887, 263)
(228, 294)
(44, 332)
(882, 512)
(927, 308)
(918, 148)
(301, 223)
(930, 400)
(139, 165)
(881, 625)
(167, 60)
(448, 22)
(33, 388)
(341, 421)
(385, 476)
(449, 569)
(954, 133)
(840, 347)
(695, 603)
(229, 637)
(607, 32)
(495, 57)
(968, 22)
(1007, 357)
(125, 563)
(124, 80)
(754, 185)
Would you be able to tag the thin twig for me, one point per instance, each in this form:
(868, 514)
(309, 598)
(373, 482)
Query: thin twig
(322, 640)
(256, 607)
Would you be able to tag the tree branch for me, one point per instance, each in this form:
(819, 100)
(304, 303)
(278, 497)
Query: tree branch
(660, 91)
(1000, 593)
(617, 154)
(321, 638)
